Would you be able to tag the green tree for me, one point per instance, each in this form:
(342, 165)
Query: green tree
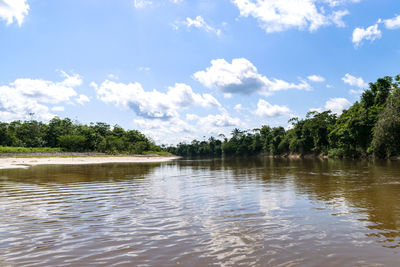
(386, 133)
(71, 142)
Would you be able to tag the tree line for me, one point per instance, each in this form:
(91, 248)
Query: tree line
(75, 137)
(370, 127)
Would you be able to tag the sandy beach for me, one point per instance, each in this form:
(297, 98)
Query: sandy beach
(25, 162)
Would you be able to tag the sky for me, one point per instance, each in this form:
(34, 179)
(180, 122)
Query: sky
(179, 70)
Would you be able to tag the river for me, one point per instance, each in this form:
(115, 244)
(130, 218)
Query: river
(209, 212)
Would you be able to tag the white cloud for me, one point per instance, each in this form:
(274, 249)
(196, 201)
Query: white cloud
(337, 105)
(167, 131)
(13, 10)
(278, 15)
(25, 96)
(356, 92)
(218, 120)
(153, 104)
(141, 3)
(319, 110)
(265, 109)
(144, 68)
(354, 81)
(371, 33)
(57, 108)
(241, 76)
(198, 23)
(238, 107)
(316, 78)
(112, 76)
(82, 99)
(334, 3)
(14, 106)
(213, 125)
(337, 17)
(393, 23)
(48, 91)
(148, 3)
(177, 130)
(227, 95)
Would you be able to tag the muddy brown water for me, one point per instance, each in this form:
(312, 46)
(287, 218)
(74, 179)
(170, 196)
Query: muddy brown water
(236, 212)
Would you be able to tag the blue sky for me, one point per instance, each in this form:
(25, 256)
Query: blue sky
(179, 69)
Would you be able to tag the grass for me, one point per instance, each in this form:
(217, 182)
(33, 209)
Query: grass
(7, 149)
(17, 150)
(161, 153)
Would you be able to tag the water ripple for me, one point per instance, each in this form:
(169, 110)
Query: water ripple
(203, 213)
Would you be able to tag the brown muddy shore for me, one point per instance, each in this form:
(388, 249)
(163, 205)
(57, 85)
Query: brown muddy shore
(321, 156)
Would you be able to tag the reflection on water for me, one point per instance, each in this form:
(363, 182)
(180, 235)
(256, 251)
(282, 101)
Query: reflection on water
(259, 212)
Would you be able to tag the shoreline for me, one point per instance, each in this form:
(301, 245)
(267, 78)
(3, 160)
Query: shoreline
(10, 162)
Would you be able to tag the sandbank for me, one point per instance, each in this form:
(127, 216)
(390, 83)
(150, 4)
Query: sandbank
(25, 162)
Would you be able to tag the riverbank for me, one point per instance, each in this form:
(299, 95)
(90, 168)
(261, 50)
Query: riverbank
(322, 156)
(32, 159)
(298, 156)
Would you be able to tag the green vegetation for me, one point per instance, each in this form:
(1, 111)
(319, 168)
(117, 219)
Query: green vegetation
(63, 135)
(160, 153)
(370, 127)
(9, 149)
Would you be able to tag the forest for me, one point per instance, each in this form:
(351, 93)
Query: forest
(369, 128)
(65, 135)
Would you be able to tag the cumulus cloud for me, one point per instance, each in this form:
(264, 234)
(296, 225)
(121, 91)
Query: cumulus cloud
(48, 91)
(354, 81)
(13, 10)
(316, 78)
(215, 124)
(82, 99)
(337, 105)
(142, 68)
(148, 3)
(393, 23)
(141, 3)
(25, 96)
(57, 108)
(337, 17)
(175, 125)
(152, 104)
(218, 120)
(319, 110)
(265, 109)
(371, 34)
(242, 77)
(167, 131)
(177, 130)
(278, 15)
(334, 3)
(14, 106)
(238, 107)
(112, 76)
(356, 92)
(198, 23)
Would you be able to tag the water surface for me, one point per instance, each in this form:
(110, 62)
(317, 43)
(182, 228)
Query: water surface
(258, 212)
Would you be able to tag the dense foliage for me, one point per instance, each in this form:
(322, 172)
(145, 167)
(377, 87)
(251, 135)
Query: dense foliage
(66, 135)
(370, 127)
